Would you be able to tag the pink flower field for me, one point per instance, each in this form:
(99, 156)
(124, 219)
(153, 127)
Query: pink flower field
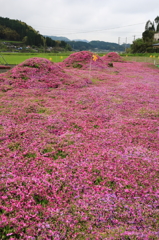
(79, 149)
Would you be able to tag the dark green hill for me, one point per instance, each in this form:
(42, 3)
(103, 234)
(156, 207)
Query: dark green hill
(98, 46)
(16, 30)
(107, 46)
(19, 31)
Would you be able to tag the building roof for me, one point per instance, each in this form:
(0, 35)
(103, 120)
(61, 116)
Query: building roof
(156, 44)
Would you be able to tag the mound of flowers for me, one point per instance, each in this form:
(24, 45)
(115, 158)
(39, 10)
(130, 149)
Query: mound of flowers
(112, 57)
(35, 73)
(82, 163)
(83, 60)
(40, 73)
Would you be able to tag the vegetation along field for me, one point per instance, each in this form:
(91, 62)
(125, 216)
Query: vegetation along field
(79, 148)
(16, 58)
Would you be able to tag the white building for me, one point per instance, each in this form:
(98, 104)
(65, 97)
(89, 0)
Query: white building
(156, 36)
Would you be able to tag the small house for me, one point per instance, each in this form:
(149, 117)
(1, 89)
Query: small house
(155, 45)
(156, 36)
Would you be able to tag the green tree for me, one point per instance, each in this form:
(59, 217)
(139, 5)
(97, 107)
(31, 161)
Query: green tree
(157, 23)
(148, 36)
(25, 39)
(68, 47)
(149, 26)
(138, 46)
(62, 44)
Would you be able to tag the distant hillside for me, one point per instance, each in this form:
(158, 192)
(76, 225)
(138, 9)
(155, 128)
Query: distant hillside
(16, 30)
(97, 46)
(80, 45)
(66, 39)
(108, 46)
(80, 40)
(58, 38)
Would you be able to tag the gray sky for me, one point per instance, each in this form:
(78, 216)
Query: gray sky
(105, 20)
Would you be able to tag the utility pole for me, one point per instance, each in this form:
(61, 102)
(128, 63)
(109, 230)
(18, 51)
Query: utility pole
(134, 37)
(125, 43)
(119, 40)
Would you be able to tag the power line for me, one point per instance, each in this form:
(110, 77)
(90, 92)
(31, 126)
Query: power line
(97, 30)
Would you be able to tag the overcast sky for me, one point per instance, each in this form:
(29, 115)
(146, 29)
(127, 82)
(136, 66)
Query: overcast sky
(116, 21)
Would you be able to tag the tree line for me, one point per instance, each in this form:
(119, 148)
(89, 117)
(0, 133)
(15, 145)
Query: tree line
(145, 43)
